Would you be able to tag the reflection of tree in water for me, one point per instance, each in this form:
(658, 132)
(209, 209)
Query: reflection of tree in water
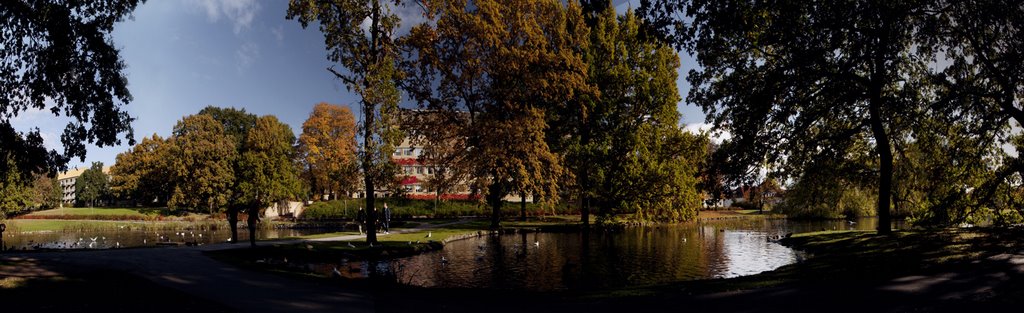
(601, 259)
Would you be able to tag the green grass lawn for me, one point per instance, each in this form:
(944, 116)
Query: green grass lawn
(20, 225)
(37, 225)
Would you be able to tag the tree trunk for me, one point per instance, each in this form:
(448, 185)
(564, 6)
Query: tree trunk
(233, 223)
(882, 145)
(494, 195)
(368, 147)
(584, 199)
(252, 219)
(585, 181)
(522, 207)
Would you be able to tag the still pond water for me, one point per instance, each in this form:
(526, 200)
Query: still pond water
(107, 235)
(630, 257)
(525, 261)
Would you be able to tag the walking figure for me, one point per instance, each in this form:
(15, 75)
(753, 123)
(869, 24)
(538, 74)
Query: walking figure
(387, 218)
(361, 219)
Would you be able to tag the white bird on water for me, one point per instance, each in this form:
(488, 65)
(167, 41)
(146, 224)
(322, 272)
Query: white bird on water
(536, 243)
(94, 238)
(350, 245)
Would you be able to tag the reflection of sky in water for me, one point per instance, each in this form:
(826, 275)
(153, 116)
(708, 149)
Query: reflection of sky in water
(629, 257)
(748, 253)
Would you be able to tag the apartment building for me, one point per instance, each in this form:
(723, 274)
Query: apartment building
(67, 182)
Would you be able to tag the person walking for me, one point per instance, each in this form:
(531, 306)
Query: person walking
(361, 219)
(387, 219)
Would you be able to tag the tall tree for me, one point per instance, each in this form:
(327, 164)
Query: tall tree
(269, 174)
(93, 185)
(13, 194)
(368, 58)
(327, 147)
(789, 78)
(504, 65)
(236, 124)
(202, 159)
(45, 192)
(982, 42)
(628, 152)
(144, 174)
(58, 56)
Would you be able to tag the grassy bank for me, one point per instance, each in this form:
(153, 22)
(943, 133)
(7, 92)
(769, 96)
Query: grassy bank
(48, 225)
(112, 213)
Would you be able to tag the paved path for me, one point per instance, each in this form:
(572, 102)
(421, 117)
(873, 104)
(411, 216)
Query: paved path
(189, 270)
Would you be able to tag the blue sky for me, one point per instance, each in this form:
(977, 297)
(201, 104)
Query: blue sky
(183, 55)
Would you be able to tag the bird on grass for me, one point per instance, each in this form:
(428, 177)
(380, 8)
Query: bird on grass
(536, 243)
(429, 234)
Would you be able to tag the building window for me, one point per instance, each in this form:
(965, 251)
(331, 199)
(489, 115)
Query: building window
(408, 151)
(418, 188)
(419, 170)
(408, 169)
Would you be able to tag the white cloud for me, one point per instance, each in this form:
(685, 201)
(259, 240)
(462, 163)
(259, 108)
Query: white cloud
(240, 13)
(278, 33)
(717, 136)
(247, 55)
(410, 15)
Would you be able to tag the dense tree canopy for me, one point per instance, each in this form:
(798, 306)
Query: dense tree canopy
(327, 148)
(93, 185)
(202, 161)
(629, 153)
(797, 81)
(58, 56)
(236, 124)
(268, 174)
(504, 65)
(144, 173)
(13, 194)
